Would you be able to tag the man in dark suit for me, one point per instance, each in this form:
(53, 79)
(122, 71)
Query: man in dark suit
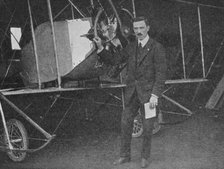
(146, 74)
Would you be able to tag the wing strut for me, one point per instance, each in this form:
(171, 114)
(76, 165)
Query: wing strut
(54, 42)
(34, 44)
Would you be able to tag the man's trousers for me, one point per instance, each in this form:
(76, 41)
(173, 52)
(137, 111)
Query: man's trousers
(128, 115)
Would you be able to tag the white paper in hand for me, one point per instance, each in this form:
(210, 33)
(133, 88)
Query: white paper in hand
(149, 112)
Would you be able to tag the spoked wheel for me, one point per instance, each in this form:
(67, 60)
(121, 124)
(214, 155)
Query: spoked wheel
(138, 126)
(18, 139)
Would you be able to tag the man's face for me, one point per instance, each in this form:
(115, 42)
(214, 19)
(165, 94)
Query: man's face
(140, 29)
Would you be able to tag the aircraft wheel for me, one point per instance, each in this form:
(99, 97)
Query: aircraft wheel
(18, 139)
(138, 126)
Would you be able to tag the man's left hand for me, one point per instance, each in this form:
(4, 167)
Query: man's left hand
(153, 101)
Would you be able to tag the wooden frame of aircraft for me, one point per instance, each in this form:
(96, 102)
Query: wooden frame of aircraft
(18, 153)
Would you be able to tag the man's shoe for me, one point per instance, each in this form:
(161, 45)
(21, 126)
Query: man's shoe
(122, 160)
(144, 163)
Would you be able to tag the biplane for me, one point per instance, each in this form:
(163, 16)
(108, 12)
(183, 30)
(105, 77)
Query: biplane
(60, 56)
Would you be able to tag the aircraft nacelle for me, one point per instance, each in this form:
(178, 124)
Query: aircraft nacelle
(76, 54)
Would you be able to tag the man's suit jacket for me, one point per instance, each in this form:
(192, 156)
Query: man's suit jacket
(147, 74)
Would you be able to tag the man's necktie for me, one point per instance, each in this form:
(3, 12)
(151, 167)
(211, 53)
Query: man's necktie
(140, 48)
(138, 53)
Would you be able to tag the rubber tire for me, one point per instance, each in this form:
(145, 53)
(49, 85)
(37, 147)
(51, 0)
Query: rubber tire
(17, 156)
(138, 127)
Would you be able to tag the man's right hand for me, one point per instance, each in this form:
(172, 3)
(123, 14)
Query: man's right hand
(98, 42)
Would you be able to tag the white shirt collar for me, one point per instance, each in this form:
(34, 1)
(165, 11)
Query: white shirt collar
(144, 41)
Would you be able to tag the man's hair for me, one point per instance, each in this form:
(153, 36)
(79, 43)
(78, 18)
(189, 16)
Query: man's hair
(141, 18)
